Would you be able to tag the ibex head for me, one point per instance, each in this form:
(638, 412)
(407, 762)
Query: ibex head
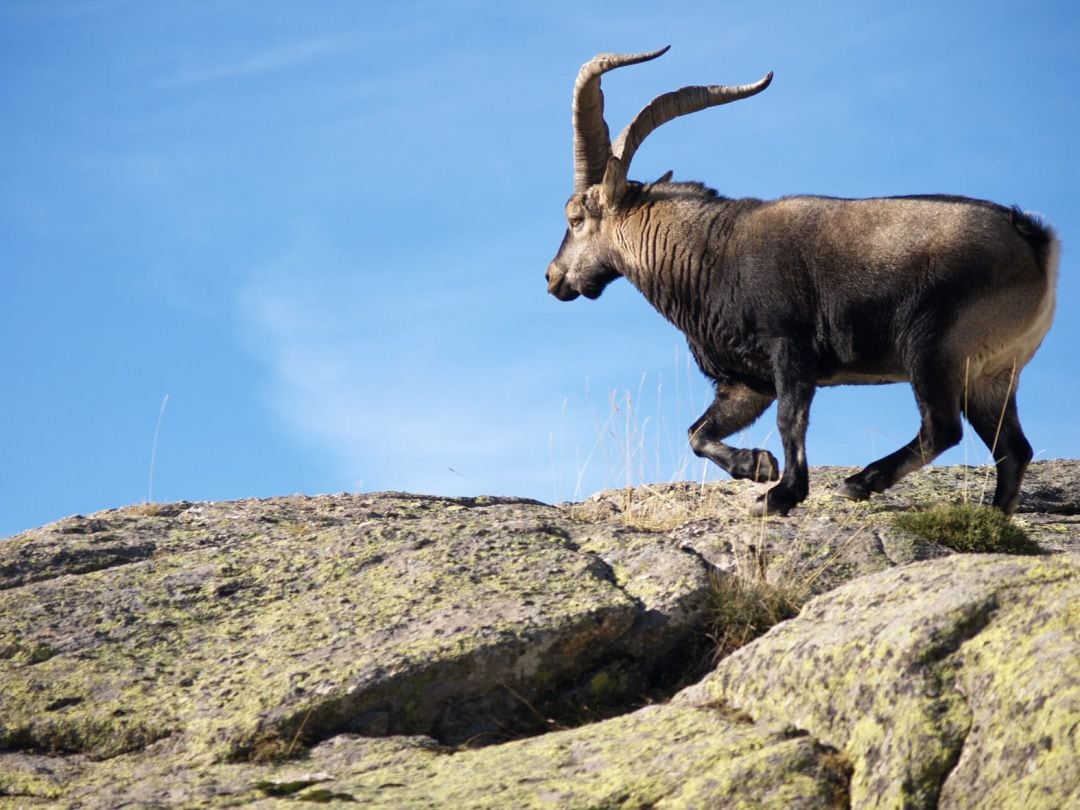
(587, 262)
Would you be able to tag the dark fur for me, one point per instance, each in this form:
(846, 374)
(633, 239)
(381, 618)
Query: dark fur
(776, 298)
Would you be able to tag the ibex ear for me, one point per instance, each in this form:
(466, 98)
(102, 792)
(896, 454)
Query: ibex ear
(664, 178)
(614, 183)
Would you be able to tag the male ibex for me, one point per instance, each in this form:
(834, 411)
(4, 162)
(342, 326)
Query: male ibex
(776, 298)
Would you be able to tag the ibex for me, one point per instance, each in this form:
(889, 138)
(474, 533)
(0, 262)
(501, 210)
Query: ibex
(951, 294)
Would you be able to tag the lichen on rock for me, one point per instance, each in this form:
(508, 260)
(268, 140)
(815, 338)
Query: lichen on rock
(305, 617)
(952, 681)
(407, 651)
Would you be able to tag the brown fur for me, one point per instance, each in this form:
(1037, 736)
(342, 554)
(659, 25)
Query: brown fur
(777, 298)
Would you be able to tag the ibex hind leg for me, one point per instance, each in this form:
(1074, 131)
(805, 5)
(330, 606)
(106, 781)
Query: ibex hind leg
(937, 393)
(735, 407)
(991, 410)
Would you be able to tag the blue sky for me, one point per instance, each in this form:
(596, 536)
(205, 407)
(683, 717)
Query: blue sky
(321, 229)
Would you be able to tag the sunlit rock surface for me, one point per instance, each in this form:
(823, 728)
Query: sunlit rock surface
(404, 651)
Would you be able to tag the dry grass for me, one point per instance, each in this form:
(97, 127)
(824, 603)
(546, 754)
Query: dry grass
(146, 509)
(744, 608)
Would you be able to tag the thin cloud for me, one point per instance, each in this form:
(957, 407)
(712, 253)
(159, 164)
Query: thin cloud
(275, 60)
(345, 376)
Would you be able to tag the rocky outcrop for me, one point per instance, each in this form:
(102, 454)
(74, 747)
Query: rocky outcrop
(229, 629)
(955, 680)
(659, 756)
(405, 651)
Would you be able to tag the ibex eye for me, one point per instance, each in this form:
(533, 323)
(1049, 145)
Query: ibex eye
(576, 222)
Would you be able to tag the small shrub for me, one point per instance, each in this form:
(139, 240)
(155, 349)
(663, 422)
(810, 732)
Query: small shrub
(968, 528)
(268, 748)
(745, 608)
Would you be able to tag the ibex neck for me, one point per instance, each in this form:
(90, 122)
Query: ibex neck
(673, 242)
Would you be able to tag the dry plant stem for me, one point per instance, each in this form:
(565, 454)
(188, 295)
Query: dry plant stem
(153, 450)
(546, 722)
(967, 388)
(296, 736)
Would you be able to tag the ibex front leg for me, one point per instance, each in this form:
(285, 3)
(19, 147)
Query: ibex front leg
(736, 406)
(794, 392)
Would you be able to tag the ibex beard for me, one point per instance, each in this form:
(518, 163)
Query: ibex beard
(776, 298)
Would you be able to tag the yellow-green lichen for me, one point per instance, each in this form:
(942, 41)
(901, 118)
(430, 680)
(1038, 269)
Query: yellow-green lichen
(661, 756)
(884, 670)
(227, 641)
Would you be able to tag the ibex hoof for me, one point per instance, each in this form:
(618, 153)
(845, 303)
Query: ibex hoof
(853, 491)
(759, 466)
(775, 502)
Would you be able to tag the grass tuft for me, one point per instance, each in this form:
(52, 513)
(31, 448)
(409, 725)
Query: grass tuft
(147, 509)
(744, 608)
(968, 528)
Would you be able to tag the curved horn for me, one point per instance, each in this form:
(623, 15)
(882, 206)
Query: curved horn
(679, 102)
(592, 142)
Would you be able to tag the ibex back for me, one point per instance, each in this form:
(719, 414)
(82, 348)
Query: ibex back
(951, 294)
